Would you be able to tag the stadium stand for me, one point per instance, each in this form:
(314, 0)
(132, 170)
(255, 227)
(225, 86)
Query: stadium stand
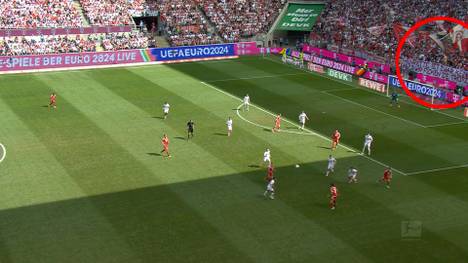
(380, 22)
(46, 45)
(118, 41)
(39, 13)
(214, 21)
(112, 12)
(241, 19)
(72, 43)
(184, 23)
(57, 14)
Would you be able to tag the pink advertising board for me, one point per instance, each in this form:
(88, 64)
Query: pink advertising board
(344, 58)
(70, 60)
(438, 81)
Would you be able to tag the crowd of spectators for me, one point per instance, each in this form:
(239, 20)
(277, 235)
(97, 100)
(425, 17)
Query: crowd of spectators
(184, 23)
(39, 13)
(10, 46)
(118, 41)
(458, 75)
(112, 12)
(374, 25)
(243, 18)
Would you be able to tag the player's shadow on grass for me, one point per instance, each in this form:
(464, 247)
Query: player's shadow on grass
(254, 166)
(180, 138)
(219, 134)
(324, 147)
(158, 117)
(154, 154)
(45, 106)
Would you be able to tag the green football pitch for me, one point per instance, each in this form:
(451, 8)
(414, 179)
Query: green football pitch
(86, 182)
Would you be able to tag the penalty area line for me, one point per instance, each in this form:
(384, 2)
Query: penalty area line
(4, 152)
(438, 169)
(305, 129)
(372, 109)
(446, 124)
(366, 90)
(269, 128)
(257, 77)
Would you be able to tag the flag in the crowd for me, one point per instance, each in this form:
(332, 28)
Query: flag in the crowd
(438, 39)
(362, 70)
(286, 51)
(376, 30)
(460, 38)
(400, 31)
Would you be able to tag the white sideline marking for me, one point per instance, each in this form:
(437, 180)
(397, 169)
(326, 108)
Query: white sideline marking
(306, 129)
(256, 77)
(372, 109)
(446, 124)
(4, 152)
(367, 90)
(345, 89)
(443, 113)
(438, 169)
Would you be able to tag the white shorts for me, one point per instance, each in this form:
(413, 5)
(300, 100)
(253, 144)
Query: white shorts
(302, 122)
(166, 111)
(270, 189)
(367, 144)
(229, 128)
(266, 159)
(352, 176)
(331, 167)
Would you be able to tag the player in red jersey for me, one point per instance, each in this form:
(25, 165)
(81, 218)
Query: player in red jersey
(270, 172)
(333, 196)
(165, 143)
(277, 123)
(53, 101)
(387, 177)
(335, 139)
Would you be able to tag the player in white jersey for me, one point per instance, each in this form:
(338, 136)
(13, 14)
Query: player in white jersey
(352, 175)
(267, 157)
(229, 126)
(331, 165)
(302, 119)
(166, 107)
(270, 190)
(246, 102)
(368, 139)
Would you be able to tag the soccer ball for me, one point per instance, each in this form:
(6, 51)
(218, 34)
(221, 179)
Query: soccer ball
(297, 165)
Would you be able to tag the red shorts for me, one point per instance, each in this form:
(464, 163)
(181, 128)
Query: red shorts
(166, 148)
(52, 102)
(333, 198)
(386, 179)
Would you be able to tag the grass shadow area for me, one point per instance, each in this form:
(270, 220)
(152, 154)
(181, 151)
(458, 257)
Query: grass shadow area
(174, 222)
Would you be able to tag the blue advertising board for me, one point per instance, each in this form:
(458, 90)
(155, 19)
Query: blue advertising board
(192, 52)
(418, 88)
